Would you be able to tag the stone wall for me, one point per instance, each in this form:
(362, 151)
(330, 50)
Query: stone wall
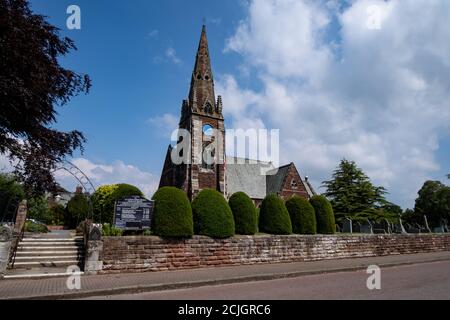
(5, 247)
(137, 254)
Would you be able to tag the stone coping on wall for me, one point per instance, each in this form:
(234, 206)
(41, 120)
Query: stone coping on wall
(150, 253)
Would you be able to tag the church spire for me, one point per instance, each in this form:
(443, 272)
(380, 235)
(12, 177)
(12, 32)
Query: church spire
(201, 94)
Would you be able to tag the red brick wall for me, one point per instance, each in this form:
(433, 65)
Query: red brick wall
(137, 254)
(287, 191)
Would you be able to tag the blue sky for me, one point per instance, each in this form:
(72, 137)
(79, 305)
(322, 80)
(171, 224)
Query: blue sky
(123, 48)
(335, 87)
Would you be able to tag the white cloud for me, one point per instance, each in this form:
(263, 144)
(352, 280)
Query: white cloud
(374, 96)
(101, 174)
(153, 34)
(116, 172)
(165, 124)
(292, 27)
(215, 21)
(171, 54)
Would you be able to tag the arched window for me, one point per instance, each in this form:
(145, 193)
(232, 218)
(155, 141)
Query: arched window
(208, 108)
(208, 130)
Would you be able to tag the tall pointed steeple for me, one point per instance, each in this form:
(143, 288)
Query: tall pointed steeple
(199, 113)
(201, 93)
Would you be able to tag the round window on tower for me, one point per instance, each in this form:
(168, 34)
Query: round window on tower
(206, 77)
(207, 130)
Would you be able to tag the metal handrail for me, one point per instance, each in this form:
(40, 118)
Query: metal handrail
(17, 240)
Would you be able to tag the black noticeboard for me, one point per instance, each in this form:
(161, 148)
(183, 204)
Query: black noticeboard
(133, 213)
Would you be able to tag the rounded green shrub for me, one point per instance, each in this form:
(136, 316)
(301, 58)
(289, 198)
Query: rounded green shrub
(303, 217)
(244, 213)
(274, 217)
(104, 198)
(172, 215)
(212, 215)
(99, 198)
(326, 223)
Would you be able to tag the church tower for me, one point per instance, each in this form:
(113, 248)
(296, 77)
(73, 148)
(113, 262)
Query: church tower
(201, 117)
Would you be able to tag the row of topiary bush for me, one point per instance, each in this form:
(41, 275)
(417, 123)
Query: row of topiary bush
(211, 215)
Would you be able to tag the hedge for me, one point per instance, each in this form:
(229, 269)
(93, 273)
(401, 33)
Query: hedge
(212, 215)
(303, 217)
(326, 223)
(244, 213)
(172, 215)
(274, 217)
(104, 198)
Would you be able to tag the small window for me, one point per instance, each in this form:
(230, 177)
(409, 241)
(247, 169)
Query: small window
(209, 108)
(199, 76)
(206, 77)
(294, 184)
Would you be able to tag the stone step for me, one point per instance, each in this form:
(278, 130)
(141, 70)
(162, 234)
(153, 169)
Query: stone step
(35, 264)
(48, 258)
(51, 243)
(52, 240)
(48, 253)
(62, 248)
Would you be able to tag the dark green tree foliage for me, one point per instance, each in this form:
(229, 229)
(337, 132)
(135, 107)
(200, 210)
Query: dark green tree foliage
(11, 193)
(32, 83)
(444, 203)
(274, 217)
(303, 217)
(212, 215)
(351, 191)
(432, 202)
(77, 210)
(244, 213)
(324, 215)
(39, 210)
(172, 215)
(409, 216)
(57, 213)
(391, 208)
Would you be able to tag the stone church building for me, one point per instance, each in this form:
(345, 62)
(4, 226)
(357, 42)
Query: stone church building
(202, 112)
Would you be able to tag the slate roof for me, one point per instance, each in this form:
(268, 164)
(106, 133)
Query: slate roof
(275, 179)
(247, 177)
(258, 178)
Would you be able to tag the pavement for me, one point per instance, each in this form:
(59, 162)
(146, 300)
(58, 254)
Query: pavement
(424, 281)
(132, 283)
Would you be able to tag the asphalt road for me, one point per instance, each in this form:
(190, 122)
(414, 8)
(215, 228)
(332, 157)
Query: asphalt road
(419, 281)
